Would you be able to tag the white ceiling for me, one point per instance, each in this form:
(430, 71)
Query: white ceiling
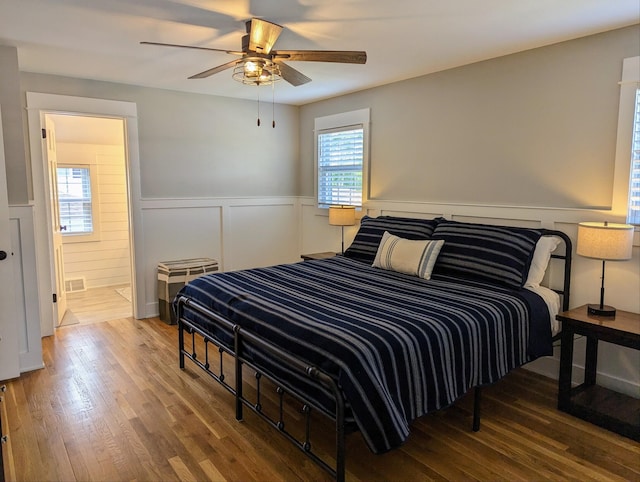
(88, 130)
(99, 39)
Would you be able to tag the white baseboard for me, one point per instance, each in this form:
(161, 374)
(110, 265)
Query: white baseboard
(28, 368)
(550, 367)
(152, 310)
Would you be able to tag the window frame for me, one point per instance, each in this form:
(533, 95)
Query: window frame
(95, 235)
(635, 136)
(629, 84)
(345, 120)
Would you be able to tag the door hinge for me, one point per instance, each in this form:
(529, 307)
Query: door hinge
(55, 298)
(44, 133)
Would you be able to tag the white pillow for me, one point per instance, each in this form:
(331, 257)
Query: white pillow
(541, 256)
(414, 257)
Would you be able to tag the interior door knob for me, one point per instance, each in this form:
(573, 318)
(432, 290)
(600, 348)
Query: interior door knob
(3, 255)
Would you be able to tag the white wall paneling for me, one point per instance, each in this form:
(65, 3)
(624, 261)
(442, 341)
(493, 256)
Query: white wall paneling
(26, 285)
(239, 233)
(177, 232)
(261, 235)
(316, 235)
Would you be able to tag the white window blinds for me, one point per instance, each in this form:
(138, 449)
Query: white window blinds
(633, 215)
(340, 166)
(74, 197)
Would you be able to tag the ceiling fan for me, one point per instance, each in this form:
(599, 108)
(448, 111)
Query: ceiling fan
(260, 65)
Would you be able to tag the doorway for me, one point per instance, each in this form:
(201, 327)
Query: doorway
(38, 105)
(94, 268)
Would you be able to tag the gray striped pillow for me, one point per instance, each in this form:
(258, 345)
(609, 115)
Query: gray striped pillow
(365, 244)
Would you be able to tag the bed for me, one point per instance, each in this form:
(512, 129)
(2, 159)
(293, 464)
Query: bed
(414, 315)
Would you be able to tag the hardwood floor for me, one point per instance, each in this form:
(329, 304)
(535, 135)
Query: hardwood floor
(111, 404)
(97, 304)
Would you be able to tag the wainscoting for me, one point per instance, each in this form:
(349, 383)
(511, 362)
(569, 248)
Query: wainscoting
(250, 232)
(238, 233)
(26, 286)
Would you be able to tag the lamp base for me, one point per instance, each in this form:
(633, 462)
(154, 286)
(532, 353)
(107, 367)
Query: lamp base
(604, 310)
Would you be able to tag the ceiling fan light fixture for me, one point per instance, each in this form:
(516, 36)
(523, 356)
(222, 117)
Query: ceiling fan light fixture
(257, 66)
(256, 71)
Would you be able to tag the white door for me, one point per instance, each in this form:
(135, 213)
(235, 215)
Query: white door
(9, 356)
(60, 297)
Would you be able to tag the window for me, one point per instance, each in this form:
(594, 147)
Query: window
(341, 153)
(633, 214)
(76, 201)
(340, 157)
(626, 179)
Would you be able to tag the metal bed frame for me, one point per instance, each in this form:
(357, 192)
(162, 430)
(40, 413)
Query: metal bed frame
(244, 341)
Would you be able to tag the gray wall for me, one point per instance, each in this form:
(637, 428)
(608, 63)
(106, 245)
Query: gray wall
(196, 145)
(536, 128)
(530, 129)
(18, 175)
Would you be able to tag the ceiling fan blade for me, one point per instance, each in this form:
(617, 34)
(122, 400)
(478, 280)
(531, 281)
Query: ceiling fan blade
(341, 56)
(291, 75)
(262, 35)
(234, 52)
(215, 70)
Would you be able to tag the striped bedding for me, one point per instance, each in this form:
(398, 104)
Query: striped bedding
(399, 346)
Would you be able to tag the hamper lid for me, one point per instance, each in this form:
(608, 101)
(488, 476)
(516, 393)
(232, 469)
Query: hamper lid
(187, 263)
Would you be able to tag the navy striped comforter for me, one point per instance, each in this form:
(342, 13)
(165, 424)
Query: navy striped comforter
(399, 346)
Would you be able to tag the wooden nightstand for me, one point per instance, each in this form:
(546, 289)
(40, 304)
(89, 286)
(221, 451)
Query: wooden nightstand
(609, 409)
(323, 255)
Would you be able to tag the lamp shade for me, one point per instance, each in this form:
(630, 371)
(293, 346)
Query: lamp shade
(605, 241)
(342, 215)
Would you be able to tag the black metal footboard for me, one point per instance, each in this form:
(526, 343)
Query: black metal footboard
(243, 340)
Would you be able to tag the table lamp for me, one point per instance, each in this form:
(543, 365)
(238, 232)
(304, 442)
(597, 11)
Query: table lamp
(608, 242)
(342, 216)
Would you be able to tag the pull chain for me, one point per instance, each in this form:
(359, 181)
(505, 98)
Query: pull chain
(273, 102)
(258, 105)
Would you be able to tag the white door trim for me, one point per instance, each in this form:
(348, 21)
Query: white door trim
(37, 105)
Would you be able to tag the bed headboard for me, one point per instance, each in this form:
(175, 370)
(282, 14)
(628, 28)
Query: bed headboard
(566, 257)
